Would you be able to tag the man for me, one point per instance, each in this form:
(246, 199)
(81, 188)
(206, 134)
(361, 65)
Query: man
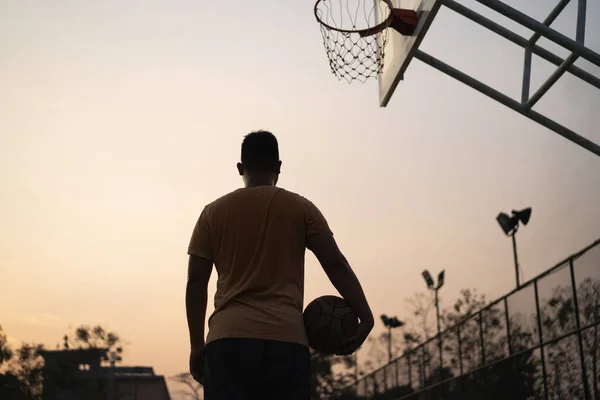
(256, 236)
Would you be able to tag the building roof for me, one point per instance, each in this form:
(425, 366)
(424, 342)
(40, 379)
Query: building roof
(85, 365)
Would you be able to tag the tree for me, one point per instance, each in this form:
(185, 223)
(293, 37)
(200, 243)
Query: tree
(563, 357)
(377, 353)
(24, 367)
(514, 378)
(589, 305)
(478, 335)
(193, 390)
(27, 366)
(6, 352)
(26, 363)
(419, 326)
(9, 384)
(87, 337)
(326, 382)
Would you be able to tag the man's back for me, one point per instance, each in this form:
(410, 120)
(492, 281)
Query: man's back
(256, 237)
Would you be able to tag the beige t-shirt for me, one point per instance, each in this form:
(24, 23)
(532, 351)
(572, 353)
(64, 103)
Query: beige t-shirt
(256, 238)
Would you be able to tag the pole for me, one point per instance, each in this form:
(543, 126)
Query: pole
(439, 330)
(514, 240)
(389, 344)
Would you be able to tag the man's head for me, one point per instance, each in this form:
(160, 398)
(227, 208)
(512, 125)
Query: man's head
(260, 163)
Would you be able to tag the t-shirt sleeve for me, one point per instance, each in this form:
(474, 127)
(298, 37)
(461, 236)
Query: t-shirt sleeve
(200, 243)
(315, 221)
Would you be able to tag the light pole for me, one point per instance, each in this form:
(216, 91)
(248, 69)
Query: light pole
(432, 286)
(510, 226)
(390, 323)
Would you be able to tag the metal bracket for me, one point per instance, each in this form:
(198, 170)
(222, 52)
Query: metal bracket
(525, 106)
(404, 21)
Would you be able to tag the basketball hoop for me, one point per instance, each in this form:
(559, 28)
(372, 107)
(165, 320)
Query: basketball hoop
(353, 40)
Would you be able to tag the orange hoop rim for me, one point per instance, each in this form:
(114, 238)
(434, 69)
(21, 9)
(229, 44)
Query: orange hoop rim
(362, 32)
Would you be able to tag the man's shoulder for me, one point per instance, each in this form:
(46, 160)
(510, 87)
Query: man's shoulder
(243, 195)
(224, 198)
(297, 199)
(293, 196)
(248, 192)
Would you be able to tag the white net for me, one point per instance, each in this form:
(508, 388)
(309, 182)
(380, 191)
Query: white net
(353, 43)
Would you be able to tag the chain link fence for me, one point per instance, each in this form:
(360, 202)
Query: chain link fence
(541, 341)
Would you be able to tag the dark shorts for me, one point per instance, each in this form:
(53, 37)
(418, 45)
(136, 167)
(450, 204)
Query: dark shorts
(254, 369)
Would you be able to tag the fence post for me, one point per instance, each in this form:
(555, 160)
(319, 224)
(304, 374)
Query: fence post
(460, 361)
(540, 337)
(409, 369)
(508, 337)
(586, 388)
(482, 340)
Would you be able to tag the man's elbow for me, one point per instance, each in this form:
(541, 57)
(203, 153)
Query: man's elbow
(337, 264)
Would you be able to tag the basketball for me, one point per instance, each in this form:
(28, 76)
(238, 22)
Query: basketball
(328, 321)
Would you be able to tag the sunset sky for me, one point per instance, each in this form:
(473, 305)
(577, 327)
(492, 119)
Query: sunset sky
(120, 120)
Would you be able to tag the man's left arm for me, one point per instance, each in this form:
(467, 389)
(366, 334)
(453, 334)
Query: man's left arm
(196, 293)
(196, 298)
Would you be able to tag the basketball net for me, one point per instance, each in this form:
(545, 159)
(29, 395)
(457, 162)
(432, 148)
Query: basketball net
(354, 41)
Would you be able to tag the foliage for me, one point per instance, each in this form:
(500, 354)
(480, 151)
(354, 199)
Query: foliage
(462, 350)
(6, 352)
(419, 326)
(193, 390)
(563, 358)
(24, 366)
(325, 380)
(377, 353)
(27, 366)
(87, 337)
(421, 323)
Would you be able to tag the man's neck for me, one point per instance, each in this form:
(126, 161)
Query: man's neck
(258, 184)
(260, 180)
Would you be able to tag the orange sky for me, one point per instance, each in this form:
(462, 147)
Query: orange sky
(119, 121)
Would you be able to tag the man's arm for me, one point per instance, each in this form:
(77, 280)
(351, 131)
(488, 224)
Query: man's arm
(196, 297)
(337, 268)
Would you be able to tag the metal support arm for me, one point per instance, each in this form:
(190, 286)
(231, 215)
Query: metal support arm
(524, 107)
(507, 101)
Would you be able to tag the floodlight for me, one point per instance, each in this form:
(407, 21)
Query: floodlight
(506, 223)
(396, 323)
(523, 215)
(440, 279)
(428, 279)
(391, 322)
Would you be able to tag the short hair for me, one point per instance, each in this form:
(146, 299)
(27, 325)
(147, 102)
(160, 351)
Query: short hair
(260, 151)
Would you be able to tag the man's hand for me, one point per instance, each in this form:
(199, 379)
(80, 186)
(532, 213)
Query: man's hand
(351, 344)
(197, 364)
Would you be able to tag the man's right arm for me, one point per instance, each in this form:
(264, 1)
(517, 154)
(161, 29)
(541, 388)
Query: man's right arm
(341, 275)
(337, 268)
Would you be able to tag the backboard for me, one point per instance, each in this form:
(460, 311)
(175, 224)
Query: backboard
(399, 50)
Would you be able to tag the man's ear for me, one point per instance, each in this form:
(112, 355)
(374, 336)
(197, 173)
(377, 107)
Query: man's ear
(279, 167)
(240, 168)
